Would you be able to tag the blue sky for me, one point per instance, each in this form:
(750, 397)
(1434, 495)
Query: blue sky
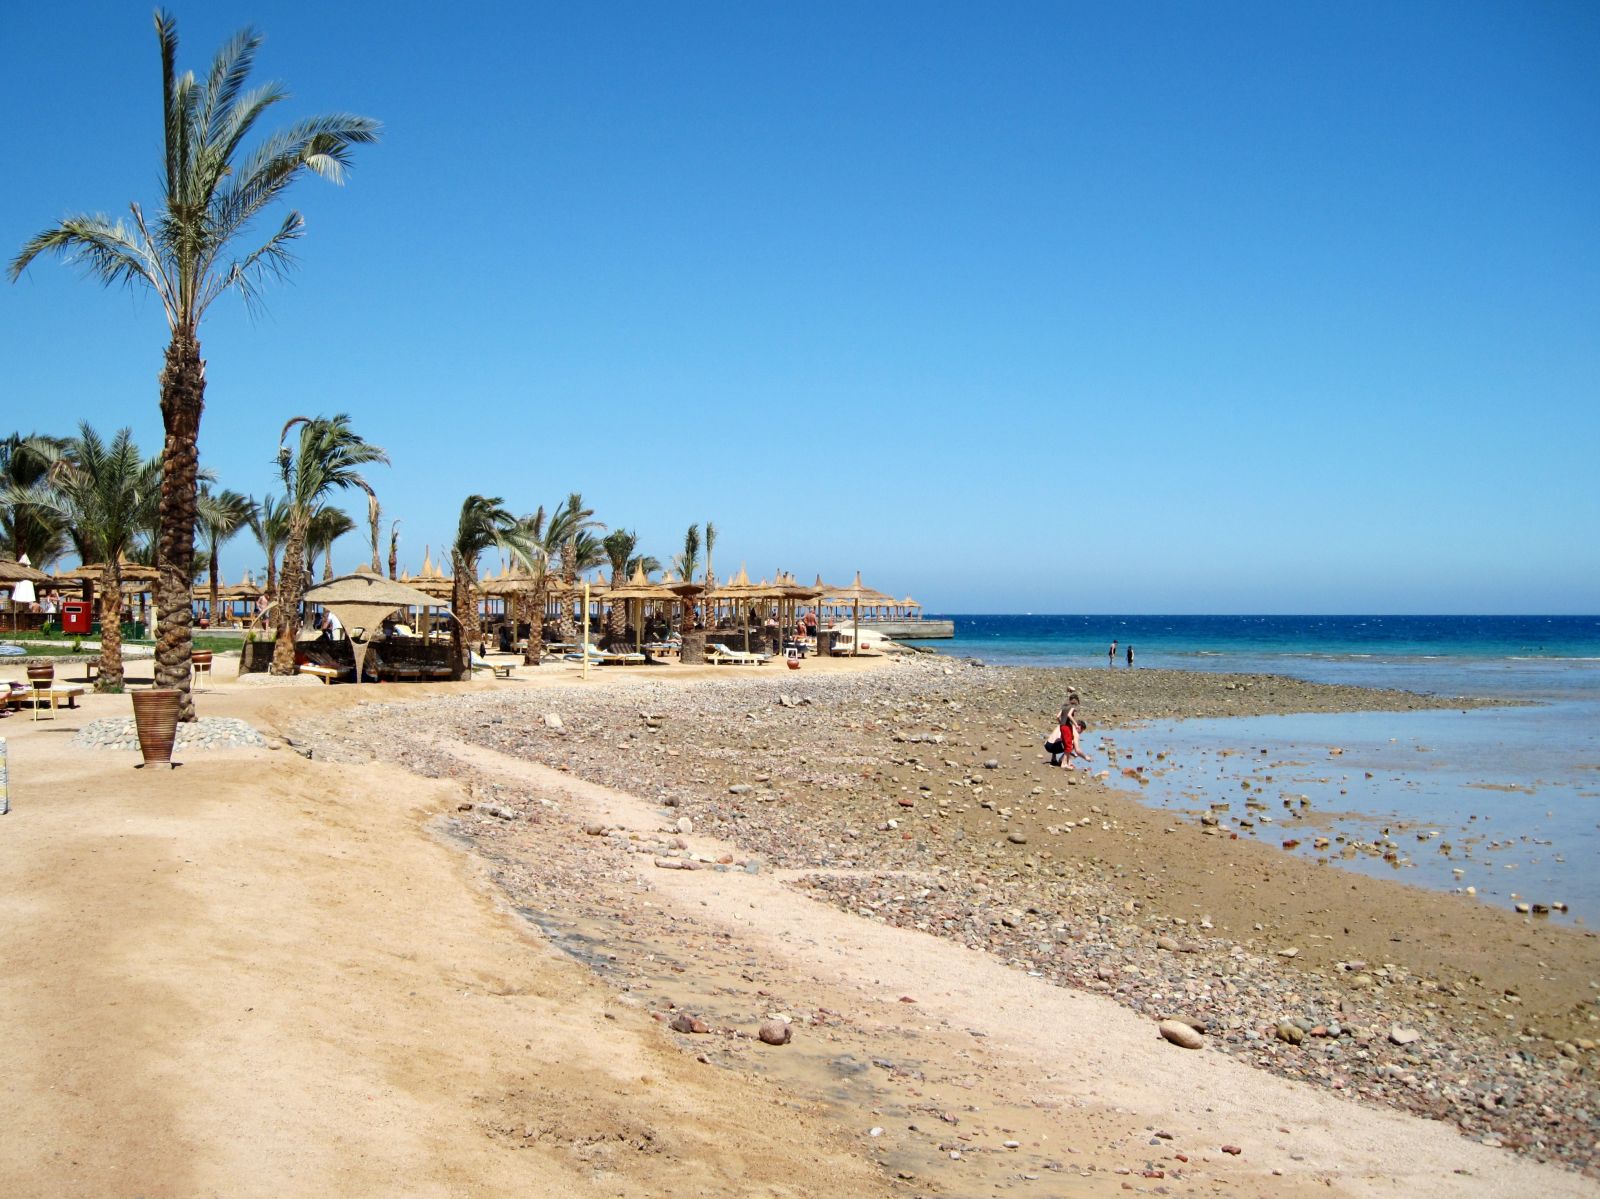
(1062, 307)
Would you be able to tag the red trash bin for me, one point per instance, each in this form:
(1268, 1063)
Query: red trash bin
(74, 616)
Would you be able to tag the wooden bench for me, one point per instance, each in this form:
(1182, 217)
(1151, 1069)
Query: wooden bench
(326, 673)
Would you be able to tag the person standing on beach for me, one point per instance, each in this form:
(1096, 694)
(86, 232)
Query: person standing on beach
(1111, 655)
(1130, 657)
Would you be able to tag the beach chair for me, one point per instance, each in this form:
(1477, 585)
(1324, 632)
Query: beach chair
(606, 658)
(500, 670)
(721, 655)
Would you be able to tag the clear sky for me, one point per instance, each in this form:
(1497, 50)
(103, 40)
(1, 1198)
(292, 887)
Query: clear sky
(1061, 307)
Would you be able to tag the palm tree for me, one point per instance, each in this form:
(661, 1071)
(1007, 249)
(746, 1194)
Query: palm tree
(270, 526)
(569, 527)
(26, 528)
(711, 544)
(327, 526)
(539, 550)
(485, 523)
(324, 461)
(394, 550)
(221, 515)
(105, 493)
(619, 546)
(687, 562)
(189, 256)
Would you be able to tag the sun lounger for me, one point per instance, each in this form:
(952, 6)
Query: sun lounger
(720, 654)
(500, 670)
(326, 673)
(607, 658)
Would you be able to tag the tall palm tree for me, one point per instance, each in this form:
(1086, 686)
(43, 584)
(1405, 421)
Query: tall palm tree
(394, 550)
(711, 544)
(539, 552)
(221, 515)
(619, 546)
(485, 523)
(270, 527)
(568, 526)
(189, 256)
(27, 528)
(105, 492)
(324, 460)
(327, 525)
(687, 563)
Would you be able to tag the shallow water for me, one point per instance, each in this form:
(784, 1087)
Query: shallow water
(1510, 797)
(1512, 793)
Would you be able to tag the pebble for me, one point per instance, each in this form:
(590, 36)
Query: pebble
(1057, 913)
(775, 1032)
(209, 732)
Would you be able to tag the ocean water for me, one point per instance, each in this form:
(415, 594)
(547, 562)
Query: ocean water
(1503, 800)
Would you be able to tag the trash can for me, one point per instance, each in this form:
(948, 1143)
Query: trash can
(75, 617)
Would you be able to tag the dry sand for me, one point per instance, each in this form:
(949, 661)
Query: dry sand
(259, 974)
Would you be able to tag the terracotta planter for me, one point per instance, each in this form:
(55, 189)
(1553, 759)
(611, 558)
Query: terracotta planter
(43, 674)
(201, 657)
(794, 663)
(155, 716)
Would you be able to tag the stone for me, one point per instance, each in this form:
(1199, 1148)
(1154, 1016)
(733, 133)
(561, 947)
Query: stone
(740, 789)
(594, 829)
(775, 1032)
(554, 723)
(1292, 1033)
(1404, 1036)
(1180, 1034)
(1232, 1150)
(992, 764)
(683, 1022)
(1167, 943)
(685, 826)
(1017, 838)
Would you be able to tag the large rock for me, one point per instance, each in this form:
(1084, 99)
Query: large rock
(1180, 1034)
(775, 1032)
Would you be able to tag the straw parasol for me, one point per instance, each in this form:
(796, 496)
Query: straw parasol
(13, 572)
(20, 578)
(361, 601)
(94, 572)
(856, 594)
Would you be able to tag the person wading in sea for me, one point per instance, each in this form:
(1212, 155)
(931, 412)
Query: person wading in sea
(1111, 655)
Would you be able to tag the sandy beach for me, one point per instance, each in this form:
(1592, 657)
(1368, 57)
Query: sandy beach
(447, 941)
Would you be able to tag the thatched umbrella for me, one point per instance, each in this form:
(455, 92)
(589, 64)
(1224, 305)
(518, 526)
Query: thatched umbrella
(13, 572)
(640, 589)
(19, 579)
(855, 595)
(89, 576)
(361, 601)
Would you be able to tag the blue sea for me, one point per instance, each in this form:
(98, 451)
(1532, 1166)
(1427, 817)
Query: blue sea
(1503, 800)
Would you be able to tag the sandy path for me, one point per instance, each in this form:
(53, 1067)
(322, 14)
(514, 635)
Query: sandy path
(258, 976)
(1101, 1065)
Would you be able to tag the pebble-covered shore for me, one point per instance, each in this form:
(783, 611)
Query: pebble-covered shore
(916, 795)
(209, 732)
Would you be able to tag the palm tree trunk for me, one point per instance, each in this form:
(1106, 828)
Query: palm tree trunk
(534, 653)
(567, 624)
(464, 631)
(290, 588)
(183, 392)
(211, 611)
(110, 630)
